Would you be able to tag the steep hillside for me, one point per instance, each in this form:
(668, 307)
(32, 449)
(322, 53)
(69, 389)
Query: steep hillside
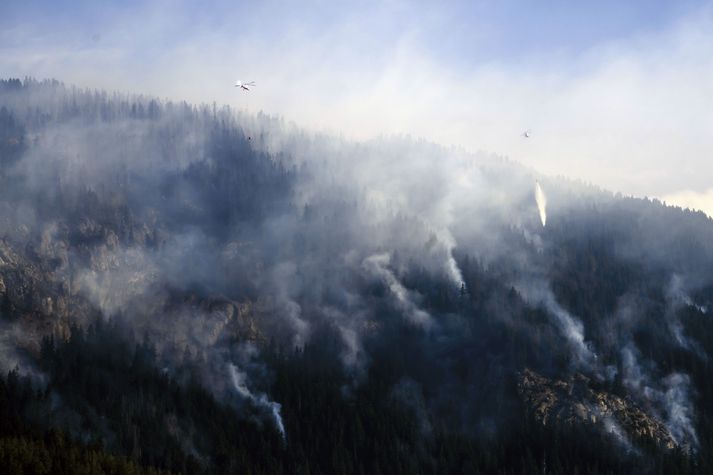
(203, 290)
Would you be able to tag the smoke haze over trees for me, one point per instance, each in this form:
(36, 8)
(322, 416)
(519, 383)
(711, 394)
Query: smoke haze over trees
(200, 290)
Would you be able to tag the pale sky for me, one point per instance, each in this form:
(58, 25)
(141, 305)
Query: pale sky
(618, 94)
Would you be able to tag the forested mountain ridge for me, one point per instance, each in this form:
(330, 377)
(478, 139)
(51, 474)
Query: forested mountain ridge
(202, 290)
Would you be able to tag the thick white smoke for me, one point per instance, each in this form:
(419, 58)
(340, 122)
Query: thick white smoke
(670, 396)
(282, 275)
(615, 430)
(541, 201)
(239, 379)
(676, 299)
(679, 409)
(377, 265)
(571, 327)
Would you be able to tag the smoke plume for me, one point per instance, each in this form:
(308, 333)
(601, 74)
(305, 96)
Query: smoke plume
(239, 380)
(167, 215)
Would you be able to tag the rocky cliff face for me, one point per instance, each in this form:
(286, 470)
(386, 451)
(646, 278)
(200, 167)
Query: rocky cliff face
(63, 275)
(36, 293)
(573, 402)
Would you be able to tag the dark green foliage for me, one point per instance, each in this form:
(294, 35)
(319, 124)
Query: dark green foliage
(416, 401)
(29, 446)
(118, 394)
(131, 408)
(54, 454)
(12, 139)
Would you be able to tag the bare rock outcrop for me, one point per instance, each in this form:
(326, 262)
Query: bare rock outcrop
(573, 402)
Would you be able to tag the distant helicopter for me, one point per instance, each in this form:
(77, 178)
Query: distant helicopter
(527, 134)
(245, 86)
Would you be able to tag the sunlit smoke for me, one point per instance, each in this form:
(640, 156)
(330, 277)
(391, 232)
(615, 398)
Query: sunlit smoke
(448, 241)
(615, 430)
(314, 275)
(670, 395)
(570, 327)
(680, 410)
(541, 201)
(238, 379)
(453, 271)
(677, 295)
(282, 277)
(377, 265)
(676, 299)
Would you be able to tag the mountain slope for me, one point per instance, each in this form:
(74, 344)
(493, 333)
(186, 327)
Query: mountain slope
(370, 298)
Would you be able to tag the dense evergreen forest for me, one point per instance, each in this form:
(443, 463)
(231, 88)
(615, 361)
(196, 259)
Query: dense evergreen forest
(193, 289)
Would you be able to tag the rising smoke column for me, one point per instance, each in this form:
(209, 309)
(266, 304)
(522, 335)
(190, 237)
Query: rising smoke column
(670, 395)
(541, 201)
(539, 293)
(676, 299)
(261, 400)
(377, 265)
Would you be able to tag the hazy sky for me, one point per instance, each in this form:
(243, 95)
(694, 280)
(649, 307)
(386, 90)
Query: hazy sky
(616, 93)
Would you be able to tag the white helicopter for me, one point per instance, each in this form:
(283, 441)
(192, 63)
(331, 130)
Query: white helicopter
(527, 134)
(245, 86)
